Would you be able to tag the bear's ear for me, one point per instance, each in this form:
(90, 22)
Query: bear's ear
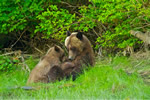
(56, 48)
(79, 35)
(68, 33)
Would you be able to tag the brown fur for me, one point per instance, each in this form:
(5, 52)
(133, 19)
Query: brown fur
(48, 69)
(80, 52)
(67, 68)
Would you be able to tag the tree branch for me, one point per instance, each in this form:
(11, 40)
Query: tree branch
(142, 36)
(19, 38)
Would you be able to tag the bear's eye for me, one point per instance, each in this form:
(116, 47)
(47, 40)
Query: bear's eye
(73, 49)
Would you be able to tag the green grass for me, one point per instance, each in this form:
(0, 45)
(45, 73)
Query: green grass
(107, 80)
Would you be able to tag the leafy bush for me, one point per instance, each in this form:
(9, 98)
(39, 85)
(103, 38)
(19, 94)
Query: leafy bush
(54, 22)
(106, 22)
(118, 18)
(18, 15)
(8, 64)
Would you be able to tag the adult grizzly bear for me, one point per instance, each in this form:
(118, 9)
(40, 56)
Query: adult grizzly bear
(48, 69)
(80, 52)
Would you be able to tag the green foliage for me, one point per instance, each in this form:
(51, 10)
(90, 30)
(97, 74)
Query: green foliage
(111, 19)
(8, 64)
(54, 22)
(119, 17)
(18, 14)
(86, 20)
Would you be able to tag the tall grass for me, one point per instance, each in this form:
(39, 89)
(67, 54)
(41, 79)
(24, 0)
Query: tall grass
(107, 80)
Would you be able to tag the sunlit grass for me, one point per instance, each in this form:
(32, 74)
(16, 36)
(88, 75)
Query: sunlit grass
(107, 80)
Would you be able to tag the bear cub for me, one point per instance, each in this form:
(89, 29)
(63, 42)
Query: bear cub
(48, 69)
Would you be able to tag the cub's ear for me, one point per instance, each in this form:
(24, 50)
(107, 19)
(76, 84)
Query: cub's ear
(56, 48)
(68, 33)
(79, 35)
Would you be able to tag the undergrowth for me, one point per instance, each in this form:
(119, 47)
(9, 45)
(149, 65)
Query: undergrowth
(108, 79)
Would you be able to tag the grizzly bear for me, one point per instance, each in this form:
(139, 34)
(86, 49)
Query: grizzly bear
(80, 52)
(48, 69)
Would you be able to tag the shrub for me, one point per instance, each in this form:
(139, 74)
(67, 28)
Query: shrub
(117, 19)
(8, 64)
(107, 22)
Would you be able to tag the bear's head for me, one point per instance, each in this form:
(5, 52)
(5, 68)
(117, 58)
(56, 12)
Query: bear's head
(56, 51)
(75, 44)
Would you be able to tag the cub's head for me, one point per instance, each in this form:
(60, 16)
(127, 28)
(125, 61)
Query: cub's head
(56, 51)
(75, 44)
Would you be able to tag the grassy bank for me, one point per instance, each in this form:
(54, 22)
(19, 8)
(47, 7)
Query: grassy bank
(116, 78)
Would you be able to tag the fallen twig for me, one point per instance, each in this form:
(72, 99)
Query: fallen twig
(10, 53)
(38, 50)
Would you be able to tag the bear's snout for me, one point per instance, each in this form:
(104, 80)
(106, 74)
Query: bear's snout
(71, 58)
